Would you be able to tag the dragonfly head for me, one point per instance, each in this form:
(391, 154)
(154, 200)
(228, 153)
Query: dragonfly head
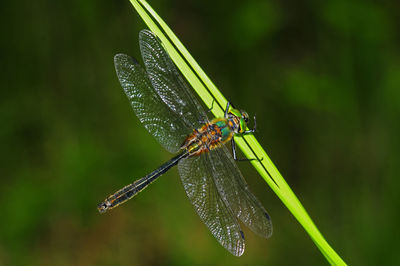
(241, 118)
(244, 119)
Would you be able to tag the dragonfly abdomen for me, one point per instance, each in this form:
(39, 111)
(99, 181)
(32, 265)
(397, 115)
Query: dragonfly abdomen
(131, 190)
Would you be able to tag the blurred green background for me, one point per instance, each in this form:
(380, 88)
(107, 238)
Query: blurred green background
(322, 76)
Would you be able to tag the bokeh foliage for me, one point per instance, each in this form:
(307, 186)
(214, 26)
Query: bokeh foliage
(323, 78)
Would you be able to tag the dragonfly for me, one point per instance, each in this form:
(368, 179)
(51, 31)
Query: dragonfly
(166, 107)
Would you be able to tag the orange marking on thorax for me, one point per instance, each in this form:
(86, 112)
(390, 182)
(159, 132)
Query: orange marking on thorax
(204, 139)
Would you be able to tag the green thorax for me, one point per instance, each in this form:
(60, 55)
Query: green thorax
(225, 130)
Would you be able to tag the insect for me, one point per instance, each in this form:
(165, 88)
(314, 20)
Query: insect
(213, 183)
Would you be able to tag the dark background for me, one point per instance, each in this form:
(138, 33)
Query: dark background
(322, 76)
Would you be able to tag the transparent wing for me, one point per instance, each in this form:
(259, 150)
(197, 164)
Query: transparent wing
(197, 179)
(236, 194)
(164, 124)
(167, 81)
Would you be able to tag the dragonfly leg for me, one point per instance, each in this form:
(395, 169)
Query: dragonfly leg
(253, 129)
(202, 121)
(234, 153)
(226, 110)
(212, 105)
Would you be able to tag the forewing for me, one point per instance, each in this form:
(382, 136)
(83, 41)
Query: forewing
(200, 188)
(236, 194)
(164, 124)
(167, 81)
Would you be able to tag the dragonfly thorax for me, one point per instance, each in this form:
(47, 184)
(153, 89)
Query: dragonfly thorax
(216, 133)
(210, 136)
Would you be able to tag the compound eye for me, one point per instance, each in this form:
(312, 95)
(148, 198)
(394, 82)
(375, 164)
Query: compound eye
(245, 116)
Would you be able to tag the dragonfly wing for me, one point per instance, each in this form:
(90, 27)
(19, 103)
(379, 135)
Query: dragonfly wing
(164, 124)
(197, 179)
(167, 81)
(236, 194)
